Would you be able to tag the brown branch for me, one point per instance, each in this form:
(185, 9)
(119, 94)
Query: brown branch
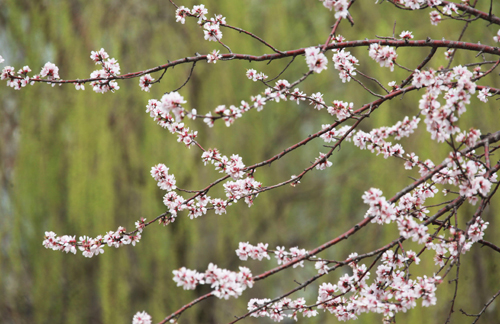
(266, 57)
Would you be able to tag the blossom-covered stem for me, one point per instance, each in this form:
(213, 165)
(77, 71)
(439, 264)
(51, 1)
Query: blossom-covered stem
(492, 138)
(185, 307)
(495, 137)
(268, 57)
(379, 251)
(314, 278)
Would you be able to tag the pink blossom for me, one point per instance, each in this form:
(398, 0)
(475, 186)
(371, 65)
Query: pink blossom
(199, 11)
(181, 13)
(435, 17)
(340, 7)
(495, 38)
(322, 267)
(484, 94)
(316, 60)
(188, 279)
(213, 57)
(50, 70)
(385, 56)
(406, 35)
(99, 56)
(212, 32)
(344, 63)
(141, 318)
(322, 163)
(145, 82)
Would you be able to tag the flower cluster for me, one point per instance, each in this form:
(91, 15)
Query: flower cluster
(334, 134)
(321, 266)
(22, 79)
(225, 283)
(316, 60)
(381, 211)
(110, 69)
(283, 257)
(211, 28)
(258, 252)
(198, 11)
(160, 174)
(470, 177)
(49, 71)
(280, 91)
(340, 7)
(316, 99)
(141, 318)
(375, 140)
(441, 119)
(87, 245)
(435, 17)
(232, 166)
(476, 230)
(374, 143)
(385, 56)
(145, 82)
(162, 111)
(411, 208)
(248, 188)
(469, 138)
(344, 63)
(413, 4)
(212, 31)
(255, 76)
(391, 292)
(342, 110)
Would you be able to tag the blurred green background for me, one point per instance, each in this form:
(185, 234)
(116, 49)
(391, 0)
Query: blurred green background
(77, 162)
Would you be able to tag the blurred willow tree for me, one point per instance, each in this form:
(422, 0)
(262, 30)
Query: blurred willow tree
(78, 162)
